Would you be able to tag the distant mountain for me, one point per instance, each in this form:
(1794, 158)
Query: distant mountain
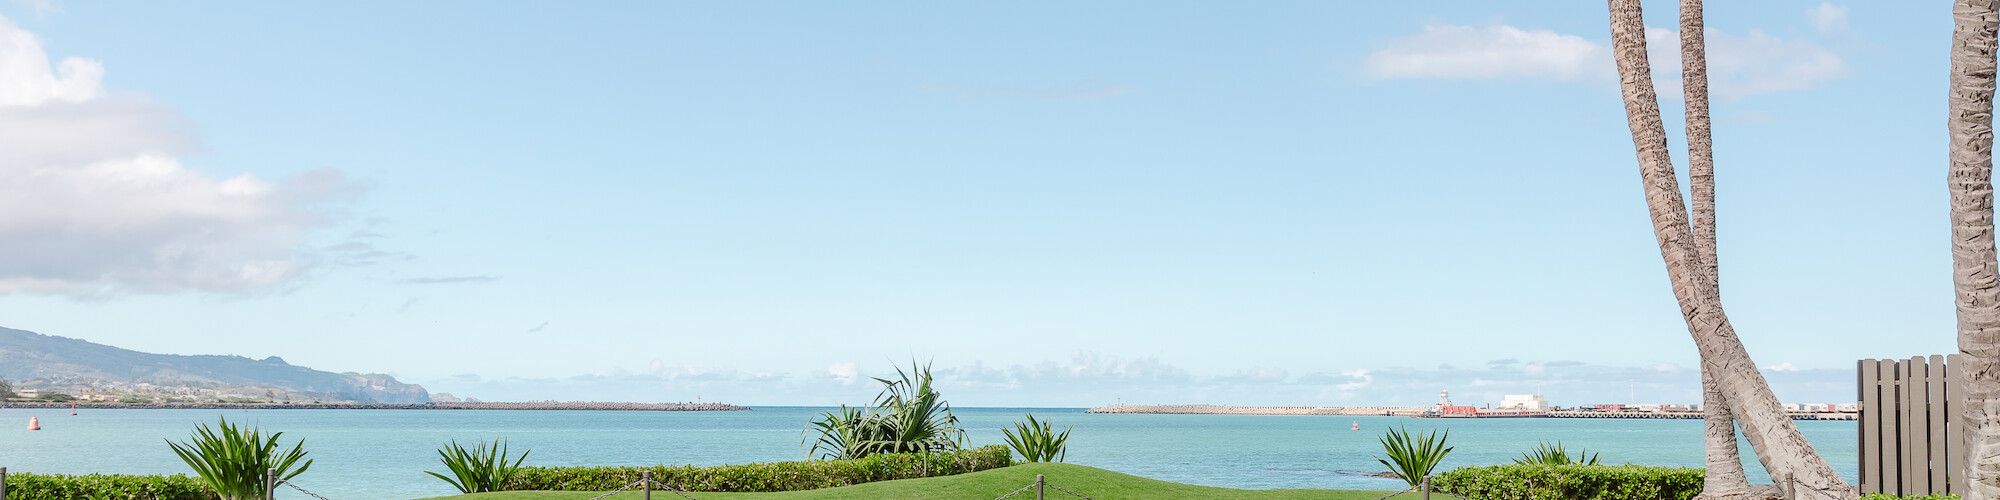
(27, 356)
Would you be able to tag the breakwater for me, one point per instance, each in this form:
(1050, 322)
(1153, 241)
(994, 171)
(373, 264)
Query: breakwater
(532, 405)
(1351, 411)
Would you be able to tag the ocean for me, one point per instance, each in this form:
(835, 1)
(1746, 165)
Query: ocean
(381, 454)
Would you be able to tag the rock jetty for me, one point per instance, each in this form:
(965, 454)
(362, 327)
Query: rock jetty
(1352, 411)
(532, 405)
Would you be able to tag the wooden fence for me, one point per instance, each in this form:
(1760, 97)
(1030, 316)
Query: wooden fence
(1910, 427)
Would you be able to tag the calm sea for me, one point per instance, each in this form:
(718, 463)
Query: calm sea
(383, 453)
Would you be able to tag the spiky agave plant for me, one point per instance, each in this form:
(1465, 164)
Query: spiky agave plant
(479, 469)
(233, 460)
(1038, 441)
(1413, 456)
(1545, 454)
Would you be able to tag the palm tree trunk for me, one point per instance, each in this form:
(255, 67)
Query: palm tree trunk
(1725, 478)
(1779, 445)
(1973, 270)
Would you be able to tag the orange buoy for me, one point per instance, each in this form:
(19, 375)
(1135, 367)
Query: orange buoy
(72, 409)
(34, 424)
(1356, 427)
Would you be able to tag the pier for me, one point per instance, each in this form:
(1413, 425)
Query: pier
(1689, 415)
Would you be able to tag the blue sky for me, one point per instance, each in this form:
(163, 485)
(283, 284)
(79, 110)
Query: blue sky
(1059, 204)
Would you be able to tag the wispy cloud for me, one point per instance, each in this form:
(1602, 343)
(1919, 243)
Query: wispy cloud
(1829, 19)
(538, 328)
(1739, 65)
(1090, 379)
(441, 280)
(1088, 90)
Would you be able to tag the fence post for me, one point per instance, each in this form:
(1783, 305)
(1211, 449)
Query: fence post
(3, 483)
(1791, 487)
(1041, 485)
(645, 476)
(1426, 486)
(270, 484)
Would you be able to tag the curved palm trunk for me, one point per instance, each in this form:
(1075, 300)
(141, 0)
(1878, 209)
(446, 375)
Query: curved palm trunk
(1725, 478)
(1973, 269)
(1772, 434)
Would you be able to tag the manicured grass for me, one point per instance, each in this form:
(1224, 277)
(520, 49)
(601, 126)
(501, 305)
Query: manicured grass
(986, 485)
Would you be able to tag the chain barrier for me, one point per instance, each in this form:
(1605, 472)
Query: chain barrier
(1066, 490)
(1386, 497)
(614, 492)
(676, 491)
(1017, 492)
(303, 490)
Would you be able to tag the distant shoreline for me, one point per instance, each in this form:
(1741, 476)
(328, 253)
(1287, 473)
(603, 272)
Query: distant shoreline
(550, 405)
(1347, 411)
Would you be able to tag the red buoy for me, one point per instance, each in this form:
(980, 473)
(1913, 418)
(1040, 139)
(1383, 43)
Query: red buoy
(72, 409)
(34, 424)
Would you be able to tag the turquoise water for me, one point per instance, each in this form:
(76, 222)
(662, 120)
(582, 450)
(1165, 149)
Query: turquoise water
(383, 453)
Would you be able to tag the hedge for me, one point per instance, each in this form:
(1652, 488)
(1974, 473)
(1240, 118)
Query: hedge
(1570, 482)
(768, 477)
(26, 486)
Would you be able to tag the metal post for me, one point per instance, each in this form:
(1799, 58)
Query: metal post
(1041, 485)
(270, 484)
(644, 477)
(1426, 486)
(3, 483)
(1791, 487)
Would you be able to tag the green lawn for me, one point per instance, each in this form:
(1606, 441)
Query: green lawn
(986, 485)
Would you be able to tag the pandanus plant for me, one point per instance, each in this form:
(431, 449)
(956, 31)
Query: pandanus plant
(1413, 456)
(908, 416)
(479, 469)
(1545, 454)
(234, 459)
(1038, 441)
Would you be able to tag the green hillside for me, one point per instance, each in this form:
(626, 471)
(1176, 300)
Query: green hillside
(29, 356)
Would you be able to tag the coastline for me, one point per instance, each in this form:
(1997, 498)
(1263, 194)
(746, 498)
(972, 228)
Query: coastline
(540, 405)
(1350, 411)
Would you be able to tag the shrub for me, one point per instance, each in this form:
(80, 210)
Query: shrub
(769, 477)
(27, 486)
(1570, 482)
(234, 461)
(1415, 456)
(480, 469)
(1037, 441)
(1543, 454)
(908, 416)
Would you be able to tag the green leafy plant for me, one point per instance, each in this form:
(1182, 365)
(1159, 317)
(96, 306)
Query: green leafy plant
(1570, 482)
(908, 416)
(1544, 454)
(1037, 441)
(770, 477)
(1413, 456)
(479, 469)
(30, 486)
(233, 461)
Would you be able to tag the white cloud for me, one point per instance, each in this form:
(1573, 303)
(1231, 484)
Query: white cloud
(1782, 367)
(846, 373)
(1829, 19)
(26, 78)
(94, 200)
(1092, 379)
(1738, 66)
(1462, 52)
